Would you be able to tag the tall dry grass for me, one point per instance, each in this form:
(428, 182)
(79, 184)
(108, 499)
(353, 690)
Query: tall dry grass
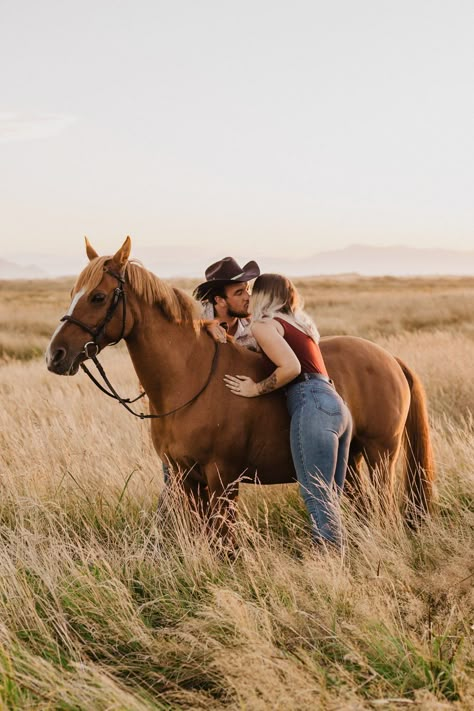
(111, 599)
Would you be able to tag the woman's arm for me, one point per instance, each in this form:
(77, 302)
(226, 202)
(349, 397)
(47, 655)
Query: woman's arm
(271, 341)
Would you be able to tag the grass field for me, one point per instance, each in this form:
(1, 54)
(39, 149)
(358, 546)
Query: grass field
(108, 601)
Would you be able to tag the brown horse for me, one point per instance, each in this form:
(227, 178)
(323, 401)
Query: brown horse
(216, 438)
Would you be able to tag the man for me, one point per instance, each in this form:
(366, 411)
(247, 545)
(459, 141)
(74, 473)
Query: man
(225, 300)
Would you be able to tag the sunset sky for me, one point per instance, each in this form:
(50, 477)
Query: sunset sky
(240, 127)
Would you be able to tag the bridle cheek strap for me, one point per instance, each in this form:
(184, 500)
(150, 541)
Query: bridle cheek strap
(99, 330)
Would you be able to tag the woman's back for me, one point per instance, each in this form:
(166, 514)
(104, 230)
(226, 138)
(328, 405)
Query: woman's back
(304, 347)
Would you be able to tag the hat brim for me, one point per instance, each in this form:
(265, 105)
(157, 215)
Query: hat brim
(250, 271)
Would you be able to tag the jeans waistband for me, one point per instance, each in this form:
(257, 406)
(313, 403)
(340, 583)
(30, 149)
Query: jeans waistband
(312, 376)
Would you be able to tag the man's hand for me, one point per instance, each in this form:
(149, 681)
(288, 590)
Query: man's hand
(241, 385)
(216, 331)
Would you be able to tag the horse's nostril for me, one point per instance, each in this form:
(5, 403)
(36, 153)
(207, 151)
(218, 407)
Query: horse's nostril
(58, 356)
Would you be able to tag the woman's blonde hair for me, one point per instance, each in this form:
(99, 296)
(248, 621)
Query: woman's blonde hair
(275, 295)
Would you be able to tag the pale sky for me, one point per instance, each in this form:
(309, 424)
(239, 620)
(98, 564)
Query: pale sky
(236, 127)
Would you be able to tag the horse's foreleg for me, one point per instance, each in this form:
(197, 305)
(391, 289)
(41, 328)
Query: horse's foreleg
(168, 478)
(223, 495)
(197, 493)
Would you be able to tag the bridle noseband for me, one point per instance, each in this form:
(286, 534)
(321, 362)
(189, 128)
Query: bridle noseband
(99, 330)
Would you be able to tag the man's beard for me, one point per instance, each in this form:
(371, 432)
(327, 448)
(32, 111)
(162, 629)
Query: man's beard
(238, 314)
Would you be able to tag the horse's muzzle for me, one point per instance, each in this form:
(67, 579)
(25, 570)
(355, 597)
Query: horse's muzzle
(60, 362)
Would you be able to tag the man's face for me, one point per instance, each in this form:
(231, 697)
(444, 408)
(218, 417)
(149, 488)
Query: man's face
(236, 300)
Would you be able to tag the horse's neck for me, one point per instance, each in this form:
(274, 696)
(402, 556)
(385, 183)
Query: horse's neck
(168, 358)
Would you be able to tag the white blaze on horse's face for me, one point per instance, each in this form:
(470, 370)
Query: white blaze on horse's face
(70, 312)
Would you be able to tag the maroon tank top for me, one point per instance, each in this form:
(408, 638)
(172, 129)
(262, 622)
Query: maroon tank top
(305, 349)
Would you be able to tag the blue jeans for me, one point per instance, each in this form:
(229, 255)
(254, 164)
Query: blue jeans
(320, 436)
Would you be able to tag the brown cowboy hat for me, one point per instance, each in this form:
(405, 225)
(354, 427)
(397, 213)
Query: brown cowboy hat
(225, 271)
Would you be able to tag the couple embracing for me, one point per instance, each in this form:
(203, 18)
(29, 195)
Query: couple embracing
(271, 319)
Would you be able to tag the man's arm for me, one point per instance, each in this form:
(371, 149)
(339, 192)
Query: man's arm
(215, 330)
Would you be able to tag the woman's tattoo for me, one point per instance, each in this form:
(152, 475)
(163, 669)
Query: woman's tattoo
(267, 385)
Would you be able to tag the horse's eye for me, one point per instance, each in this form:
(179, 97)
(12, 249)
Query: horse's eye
(98, 298)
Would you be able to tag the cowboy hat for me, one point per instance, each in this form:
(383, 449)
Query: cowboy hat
(225, 271)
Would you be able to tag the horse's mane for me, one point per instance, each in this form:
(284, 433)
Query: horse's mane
(174, 303)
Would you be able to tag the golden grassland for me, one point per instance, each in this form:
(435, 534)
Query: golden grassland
(109, 600)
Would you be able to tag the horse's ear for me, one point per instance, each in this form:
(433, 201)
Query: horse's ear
(121, 257)
(91, 253)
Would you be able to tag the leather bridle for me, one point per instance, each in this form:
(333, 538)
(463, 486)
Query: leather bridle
(99, 330)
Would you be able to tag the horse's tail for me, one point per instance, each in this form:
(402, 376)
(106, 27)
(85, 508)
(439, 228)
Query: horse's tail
(419, 462)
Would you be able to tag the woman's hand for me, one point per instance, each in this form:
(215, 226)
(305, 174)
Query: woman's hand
(241, 385)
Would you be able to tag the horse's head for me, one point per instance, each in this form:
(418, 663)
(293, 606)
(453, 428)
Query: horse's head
(97, 316)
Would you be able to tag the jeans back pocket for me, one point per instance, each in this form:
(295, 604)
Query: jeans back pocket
(327, 400)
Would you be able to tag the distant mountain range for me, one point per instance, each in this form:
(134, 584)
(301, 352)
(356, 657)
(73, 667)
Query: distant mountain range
(171, 261)
(380, 261)
(9, 270)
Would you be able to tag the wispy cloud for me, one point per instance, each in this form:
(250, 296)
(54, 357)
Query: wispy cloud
(31, 126)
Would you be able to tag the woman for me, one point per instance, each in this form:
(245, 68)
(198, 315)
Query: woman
(321, 424)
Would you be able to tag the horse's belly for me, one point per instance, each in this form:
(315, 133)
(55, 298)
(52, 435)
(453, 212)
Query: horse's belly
(253, 444)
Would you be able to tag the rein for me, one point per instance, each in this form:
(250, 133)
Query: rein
(126, 401)
(98, 331)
